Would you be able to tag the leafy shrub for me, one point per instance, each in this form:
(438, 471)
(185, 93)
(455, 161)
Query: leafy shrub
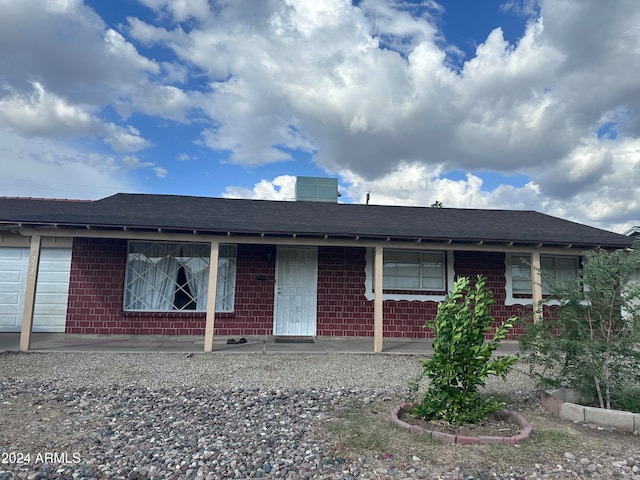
(626, 397)
(592, 344)
(462, 359)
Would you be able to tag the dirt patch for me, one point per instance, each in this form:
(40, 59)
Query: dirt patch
(499, 424)
(365, 431)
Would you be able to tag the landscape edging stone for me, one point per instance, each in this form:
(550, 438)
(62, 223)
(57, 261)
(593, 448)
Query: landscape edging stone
(526, 432)
(557, 402)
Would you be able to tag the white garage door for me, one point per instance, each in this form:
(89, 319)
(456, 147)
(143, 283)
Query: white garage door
(51, 292)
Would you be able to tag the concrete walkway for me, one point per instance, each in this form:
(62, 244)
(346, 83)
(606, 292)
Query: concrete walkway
(61, 342)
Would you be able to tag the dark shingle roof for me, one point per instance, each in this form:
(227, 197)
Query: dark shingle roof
(251, 217)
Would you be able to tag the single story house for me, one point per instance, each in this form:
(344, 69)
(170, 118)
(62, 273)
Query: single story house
(180, 265)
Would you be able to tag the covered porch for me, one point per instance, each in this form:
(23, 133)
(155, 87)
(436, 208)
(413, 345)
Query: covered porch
(376, 248)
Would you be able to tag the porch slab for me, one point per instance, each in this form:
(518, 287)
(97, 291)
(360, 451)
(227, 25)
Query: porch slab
(61, 342)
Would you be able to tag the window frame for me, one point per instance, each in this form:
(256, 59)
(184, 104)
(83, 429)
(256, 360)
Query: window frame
(402, 261)
(409, 294)
(227, 269)
(524, 297)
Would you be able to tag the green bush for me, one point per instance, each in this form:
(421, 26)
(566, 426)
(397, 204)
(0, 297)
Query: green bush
(592, 343)
(626, 397)
(462, 359)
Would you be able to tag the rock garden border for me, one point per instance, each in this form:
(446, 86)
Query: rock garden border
(565, 404)
(527, 430)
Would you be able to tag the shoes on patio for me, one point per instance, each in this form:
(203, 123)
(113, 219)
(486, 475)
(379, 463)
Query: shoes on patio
(233, 341)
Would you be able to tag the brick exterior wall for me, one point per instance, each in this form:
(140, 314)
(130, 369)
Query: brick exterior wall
(491, 265)
(343, 309)
(97, 278)
(95, 287)
(255, 283)
(96, 295)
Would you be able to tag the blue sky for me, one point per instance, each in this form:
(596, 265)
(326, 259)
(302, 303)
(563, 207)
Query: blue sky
(477, 104)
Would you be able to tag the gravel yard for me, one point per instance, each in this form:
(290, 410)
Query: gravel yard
(218, 416)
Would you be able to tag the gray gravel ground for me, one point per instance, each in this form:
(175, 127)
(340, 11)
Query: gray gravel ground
(128, 416)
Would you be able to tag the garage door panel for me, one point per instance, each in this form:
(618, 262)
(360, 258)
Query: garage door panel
(49, 299)
(51, 288)
(11, 300)
(51, 291)
(51, 309)
(60, 254)
(10, 276)
(13, 254)
(52, 277)
(53, 268)
(49, 323)
(7, 320)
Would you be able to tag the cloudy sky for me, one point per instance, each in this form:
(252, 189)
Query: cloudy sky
(483, 104)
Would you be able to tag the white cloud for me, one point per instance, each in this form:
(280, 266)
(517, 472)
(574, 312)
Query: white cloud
(41, 113)
(282, 187)
(132, 162)
(366, 89)
(61, 67)
(69, 50)
(418, 185)
(606, 204)
(318, 70)
(123, 51)
(180, 10)
(160, 172)
(124, 139)
(371, 114)
(48, 168)
(608, 198)
(163, 101)
(175, 72)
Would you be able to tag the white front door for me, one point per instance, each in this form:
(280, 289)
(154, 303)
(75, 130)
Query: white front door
(296, 291)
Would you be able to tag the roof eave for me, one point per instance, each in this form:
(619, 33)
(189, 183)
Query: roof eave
(435, 241)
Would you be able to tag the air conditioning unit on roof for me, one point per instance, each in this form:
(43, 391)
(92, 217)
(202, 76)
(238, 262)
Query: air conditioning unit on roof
(317, 189)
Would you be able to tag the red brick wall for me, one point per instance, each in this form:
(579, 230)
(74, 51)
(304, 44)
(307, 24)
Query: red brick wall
(491, 265)
(96, 290)
(97, 285)
(253, 313)
(343, 309)
(405, 319)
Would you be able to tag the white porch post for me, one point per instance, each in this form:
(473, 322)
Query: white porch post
(536, 286)
(30, 293)
(377, 302)
(211, 296)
